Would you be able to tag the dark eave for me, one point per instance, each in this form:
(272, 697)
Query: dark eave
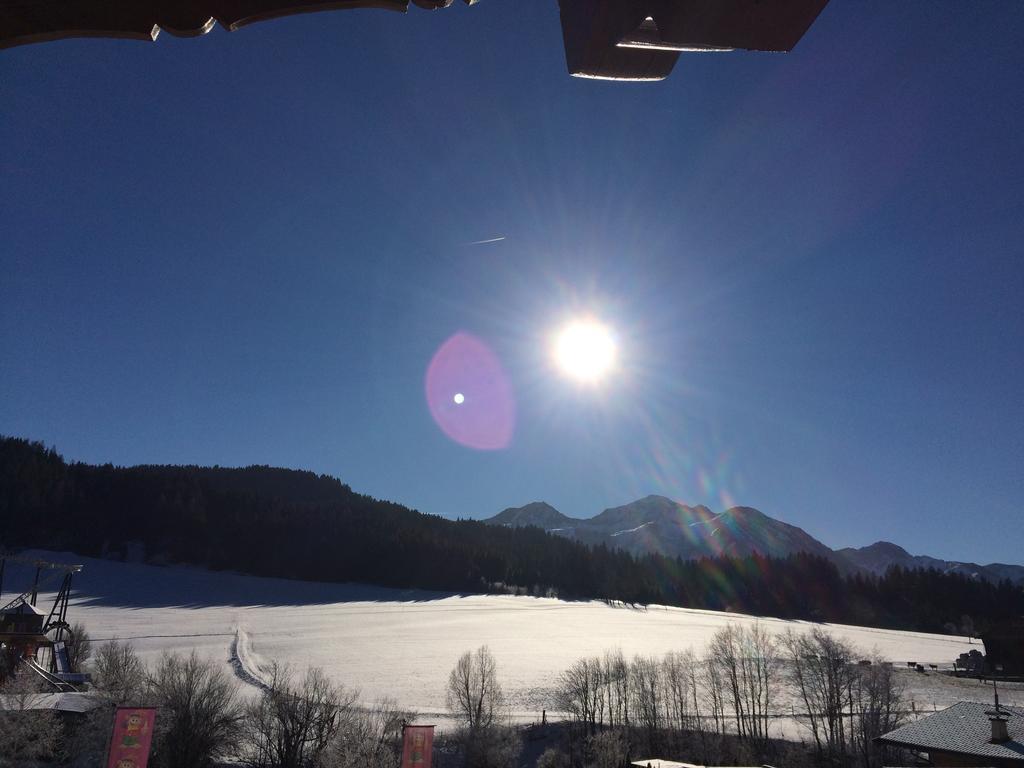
(643, 39)
(34, 21)
(606, 39)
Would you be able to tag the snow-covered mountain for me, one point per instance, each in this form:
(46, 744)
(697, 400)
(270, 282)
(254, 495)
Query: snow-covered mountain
(880, 556)
(660, 525)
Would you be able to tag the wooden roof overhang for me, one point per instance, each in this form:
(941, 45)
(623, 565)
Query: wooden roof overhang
(605, 39)
(643, 39)
(35, 21)
(19, 639)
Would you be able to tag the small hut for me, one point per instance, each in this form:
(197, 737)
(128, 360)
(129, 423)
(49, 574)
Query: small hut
(21, 627)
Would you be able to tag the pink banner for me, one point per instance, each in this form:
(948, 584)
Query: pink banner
(418, 747)
(132, 738)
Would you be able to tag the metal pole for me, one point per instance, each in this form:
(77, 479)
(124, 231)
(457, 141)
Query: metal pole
(35, 585)
(65, 590)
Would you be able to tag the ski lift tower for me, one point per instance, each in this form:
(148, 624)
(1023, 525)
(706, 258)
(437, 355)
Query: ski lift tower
(25, 628)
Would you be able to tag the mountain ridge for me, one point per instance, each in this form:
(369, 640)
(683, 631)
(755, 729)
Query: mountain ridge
(659, 525)
(877, 558)
(293, 524)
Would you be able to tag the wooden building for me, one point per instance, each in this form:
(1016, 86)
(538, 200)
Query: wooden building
(21, 627)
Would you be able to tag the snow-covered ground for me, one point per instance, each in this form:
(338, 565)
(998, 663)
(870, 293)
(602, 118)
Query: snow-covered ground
(402, 644)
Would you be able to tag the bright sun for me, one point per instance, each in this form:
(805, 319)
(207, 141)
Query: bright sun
(584, 350)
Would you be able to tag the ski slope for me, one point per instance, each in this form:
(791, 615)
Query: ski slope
(402, 644)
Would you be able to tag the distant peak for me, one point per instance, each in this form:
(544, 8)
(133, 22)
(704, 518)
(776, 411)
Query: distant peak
(534, 506)
(887, 547)
(537, 513)
(657, 500)
(531, 508)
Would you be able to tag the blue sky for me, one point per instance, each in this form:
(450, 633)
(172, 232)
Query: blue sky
(246, 247)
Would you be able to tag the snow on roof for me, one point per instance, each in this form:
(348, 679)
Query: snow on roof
(23, 608)
(61, 702)
(963, 729)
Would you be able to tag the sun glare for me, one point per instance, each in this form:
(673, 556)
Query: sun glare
(585, 350)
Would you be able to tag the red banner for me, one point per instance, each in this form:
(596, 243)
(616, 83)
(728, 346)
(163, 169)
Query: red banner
(132, 738)
(418, 747)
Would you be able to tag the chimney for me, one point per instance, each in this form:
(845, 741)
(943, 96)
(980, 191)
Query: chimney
(998, 718)
(1000, 733)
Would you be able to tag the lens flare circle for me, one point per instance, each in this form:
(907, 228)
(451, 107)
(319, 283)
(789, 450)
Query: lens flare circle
(584, 350)
(469, 395)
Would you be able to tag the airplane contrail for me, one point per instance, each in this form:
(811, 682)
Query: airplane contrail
(484, 242)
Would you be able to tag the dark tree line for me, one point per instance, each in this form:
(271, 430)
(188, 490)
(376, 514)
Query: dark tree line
(277, 522)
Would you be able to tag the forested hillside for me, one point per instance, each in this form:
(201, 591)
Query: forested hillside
(278, 522)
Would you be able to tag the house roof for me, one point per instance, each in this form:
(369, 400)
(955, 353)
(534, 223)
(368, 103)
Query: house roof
(24, 608)
(963, 729)
(61, 702)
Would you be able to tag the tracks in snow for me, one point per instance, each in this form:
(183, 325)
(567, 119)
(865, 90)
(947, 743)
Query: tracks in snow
(244, 661)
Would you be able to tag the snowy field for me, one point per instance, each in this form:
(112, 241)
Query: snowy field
(402, 644)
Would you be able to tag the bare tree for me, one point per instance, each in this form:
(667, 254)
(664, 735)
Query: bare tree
(878, 705)
(199, 714)
(724, 657)
(118, 673)
(684, 698)
(79, 646)
(615, 674)
(823, 672)
(474, 694)
(118, 677)
(679, 702)
(579, 691)
(713, 692)
(292, 724)
(848, 704)
(677, 670)
(369, 738)
(30, 733)
(746, 662)
(646, 699)
(475, 697)
(761, 666)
